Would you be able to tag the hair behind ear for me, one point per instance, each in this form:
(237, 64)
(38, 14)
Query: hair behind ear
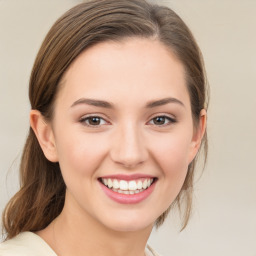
(41, 196)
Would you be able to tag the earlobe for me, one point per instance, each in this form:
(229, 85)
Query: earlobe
(198, 134)
(44, 134)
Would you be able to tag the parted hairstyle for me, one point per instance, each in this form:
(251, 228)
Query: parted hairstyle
(42, 189)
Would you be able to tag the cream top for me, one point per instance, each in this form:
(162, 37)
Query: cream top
(30, 244)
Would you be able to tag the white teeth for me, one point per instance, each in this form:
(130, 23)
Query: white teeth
(127, 192)
(115, 184)
(131, 187)
(145, 184)
(110, 185)
(139, 185)
(123, 185)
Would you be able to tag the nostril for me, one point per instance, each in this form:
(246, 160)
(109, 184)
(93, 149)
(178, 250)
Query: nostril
(131, 164)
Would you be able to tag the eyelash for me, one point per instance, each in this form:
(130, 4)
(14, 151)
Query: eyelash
(169, 120)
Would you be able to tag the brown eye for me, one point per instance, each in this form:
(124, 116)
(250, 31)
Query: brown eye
(93, 121)
(162, 120)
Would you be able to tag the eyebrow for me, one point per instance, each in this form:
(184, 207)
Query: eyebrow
(161, 102)
(106, 104)
(92, 102)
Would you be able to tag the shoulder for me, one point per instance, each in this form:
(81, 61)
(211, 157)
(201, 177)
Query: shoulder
(26, 244)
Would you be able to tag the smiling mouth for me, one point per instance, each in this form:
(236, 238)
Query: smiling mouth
(128, 187)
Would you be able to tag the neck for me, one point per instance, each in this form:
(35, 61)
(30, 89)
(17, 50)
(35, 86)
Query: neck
(73, 233)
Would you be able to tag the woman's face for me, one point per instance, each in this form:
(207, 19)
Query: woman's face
(123, 117)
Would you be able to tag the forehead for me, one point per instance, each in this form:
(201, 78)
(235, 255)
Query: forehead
(135, 69)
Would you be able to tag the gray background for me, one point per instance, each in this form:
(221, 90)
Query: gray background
(224, 219)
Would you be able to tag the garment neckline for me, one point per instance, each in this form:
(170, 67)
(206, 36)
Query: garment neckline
(46, 245)
(40, 240)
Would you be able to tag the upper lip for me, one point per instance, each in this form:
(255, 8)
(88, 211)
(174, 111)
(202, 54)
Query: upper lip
(128, 177)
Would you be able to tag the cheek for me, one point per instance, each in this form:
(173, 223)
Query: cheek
(172, 155)
(173, 151)
(79, 155)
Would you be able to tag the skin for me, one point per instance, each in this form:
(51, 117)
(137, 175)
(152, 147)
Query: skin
(127, 140)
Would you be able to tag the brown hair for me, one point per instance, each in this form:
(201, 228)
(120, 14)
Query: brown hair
(42, 193)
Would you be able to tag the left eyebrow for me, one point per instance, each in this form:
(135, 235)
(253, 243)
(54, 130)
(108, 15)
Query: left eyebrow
(162, 102)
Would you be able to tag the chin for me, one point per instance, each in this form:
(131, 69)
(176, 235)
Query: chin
(130, 227)
(127, 223)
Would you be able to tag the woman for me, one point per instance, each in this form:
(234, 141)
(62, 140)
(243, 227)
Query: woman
(118, 99)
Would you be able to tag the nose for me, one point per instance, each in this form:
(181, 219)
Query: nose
(129, 148)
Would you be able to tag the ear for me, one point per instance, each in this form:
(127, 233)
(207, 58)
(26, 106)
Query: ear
(198, 135)
(44, 134)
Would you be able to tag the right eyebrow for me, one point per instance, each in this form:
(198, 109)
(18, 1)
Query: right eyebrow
(93, 102)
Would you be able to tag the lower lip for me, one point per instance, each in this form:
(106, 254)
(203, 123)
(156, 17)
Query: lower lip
(128, 199)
